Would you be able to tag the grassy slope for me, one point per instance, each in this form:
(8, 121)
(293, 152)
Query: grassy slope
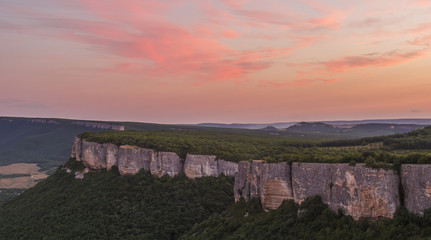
(108, 206)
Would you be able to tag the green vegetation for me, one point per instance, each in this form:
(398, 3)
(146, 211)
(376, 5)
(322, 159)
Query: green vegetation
(375, 152)
(311, 220)
(417, 140)
(105, 205)
(109, 206)
(7, 194)
(227, 146)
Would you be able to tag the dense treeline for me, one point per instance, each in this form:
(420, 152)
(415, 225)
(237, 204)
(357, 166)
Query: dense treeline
(109, 206)
(311, 220)
(7, 194)
(239, 147)
(227, 146)
(418, 139)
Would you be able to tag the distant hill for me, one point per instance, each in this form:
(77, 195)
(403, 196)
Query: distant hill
(346, 131)
(280, 125)
(247, 125)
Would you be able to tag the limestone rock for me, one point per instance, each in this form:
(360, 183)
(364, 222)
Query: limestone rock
(166, 163)
(93, 155)
(242, 181)
(357, 190)
(416, 182)
(364, 192)
(310, 179)
(227, 168)
(76, 148)
(276, 185)
(111, 155)
(196, 166)
(268, 181)
(131, 159)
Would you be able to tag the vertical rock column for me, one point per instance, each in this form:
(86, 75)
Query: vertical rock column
(131, 159)
(270, 182)
(276, 185)
(93, 155)
(242, 181)
(416, 182)
(196, 166)
(76, 148)
(166, 163)
(111, 155)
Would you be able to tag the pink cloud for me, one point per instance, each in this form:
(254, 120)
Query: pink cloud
(228, 33)
(424, 3)
(371, 60)
(140, 31)
(310, 81)
(422, 41)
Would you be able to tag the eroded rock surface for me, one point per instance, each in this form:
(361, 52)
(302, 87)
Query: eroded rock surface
(93, 155)
(416, 182)
(268, 181)
(364, 192)
(131, 159)
(310, 179)
(357, 190)
(166, 163)
(276, 184)
(227, 168)
(111, 155)
(242, 181)
(196, 166)
(76, 148)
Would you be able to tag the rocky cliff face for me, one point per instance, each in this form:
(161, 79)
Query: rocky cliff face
(166, 163)
(131, 159)
(269, 182)
(227, 168)
(200, 166)
(357, 190)
(93, 155)
(416, 182)
(76, 148)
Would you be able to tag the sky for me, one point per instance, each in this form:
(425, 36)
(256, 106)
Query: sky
(194, 61)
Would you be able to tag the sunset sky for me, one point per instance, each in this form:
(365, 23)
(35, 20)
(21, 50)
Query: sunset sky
(194, 61)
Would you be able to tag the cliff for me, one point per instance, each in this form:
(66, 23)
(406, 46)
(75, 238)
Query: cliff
(269, 182)
(131, 159)
(356, 190)
(416, 183)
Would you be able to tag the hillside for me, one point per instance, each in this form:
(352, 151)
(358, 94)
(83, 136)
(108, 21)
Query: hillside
(105, 205)
(45, 143)
(347, 131)
(311, 220)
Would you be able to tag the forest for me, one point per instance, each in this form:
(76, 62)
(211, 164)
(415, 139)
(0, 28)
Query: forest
(393, 150)
(105, 205)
